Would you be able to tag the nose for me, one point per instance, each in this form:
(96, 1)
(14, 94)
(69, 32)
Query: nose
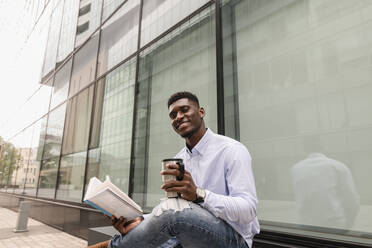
(179, 115)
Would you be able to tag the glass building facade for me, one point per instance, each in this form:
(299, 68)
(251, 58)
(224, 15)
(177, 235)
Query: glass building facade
(290, 79)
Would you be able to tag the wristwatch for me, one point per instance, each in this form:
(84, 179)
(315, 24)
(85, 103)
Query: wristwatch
(200, 195)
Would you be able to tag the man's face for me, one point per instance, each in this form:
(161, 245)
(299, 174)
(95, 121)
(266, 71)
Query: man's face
(186, 117)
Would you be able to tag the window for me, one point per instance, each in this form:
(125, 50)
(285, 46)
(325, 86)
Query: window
(112, 155)
(71, 177)
(160, 15)
(68, 29)
(53, 37)
(183, 60)
(89, 19)
(61, 83)
(298, 81)
(84, 66)
(48, 177)
(53, 138)
(77, 125)
(119, 36)
(109, 6)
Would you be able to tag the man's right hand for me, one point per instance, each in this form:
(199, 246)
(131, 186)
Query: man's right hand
(124, 226)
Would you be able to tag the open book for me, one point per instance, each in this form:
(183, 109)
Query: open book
(110, 200)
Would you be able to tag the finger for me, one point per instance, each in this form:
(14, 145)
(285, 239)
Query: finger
(113, 219)
(173, 166)
(176, 189)
(172, 183)
(173, 172)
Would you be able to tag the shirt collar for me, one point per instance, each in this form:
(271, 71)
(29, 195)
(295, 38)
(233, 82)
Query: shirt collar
(201, 146)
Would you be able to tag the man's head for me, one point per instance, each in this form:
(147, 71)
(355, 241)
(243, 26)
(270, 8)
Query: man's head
(185, 113)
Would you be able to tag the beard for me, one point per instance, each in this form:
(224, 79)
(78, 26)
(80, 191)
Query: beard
(191, 132)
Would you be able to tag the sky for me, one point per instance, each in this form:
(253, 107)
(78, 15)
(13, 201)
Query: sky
(22, 51)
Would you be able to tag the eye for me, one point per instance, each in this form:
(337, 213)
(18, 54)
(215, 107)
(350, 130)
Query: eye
(172, 115)
(184, 109)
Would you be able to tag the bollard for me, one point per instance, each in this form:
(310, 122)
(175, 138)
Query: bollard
(23, 213)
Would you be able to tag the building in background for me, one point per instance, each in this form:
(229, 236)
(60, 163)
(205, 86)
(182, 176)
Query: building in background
(287, 78)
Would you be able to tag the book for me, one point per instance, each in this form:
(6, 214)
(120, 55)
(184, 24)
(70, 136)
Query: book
(110, 200)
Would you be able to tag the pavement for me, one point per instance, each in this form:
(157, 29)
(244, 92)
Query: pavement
(39, 234)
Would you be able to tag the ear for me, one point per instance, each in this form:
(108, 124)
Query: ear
(201, 112)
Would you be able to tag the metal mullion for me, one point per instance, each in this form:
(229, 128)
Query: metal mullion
(93, 107)
(219, 69)
(136, 86)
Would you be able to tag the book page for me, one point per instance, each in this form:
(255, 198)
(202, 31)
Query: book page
(114, 204)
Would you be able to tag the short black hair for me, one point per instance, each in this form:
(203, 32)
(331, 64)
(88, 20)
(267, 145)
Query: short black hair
(183, 94)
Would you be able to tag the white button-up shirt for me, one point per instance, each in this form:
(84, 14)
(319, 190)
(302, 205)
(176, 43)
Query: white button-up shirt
(222, 166)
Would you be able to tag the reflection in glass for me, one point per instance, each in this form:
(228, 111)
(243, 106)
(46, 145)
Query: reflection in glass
(48, 177)
(22, 142)
(89, 18)
(330, 184)
(36, 149)
(184, 60)
(61, 83)
(53, 138)
(71, 177)
(84, 67)
(112, 157)
(304, 83)
(76, 132)
(68, 29)
(53, 37)
(109, 6)
(160, 15)
(119, 36)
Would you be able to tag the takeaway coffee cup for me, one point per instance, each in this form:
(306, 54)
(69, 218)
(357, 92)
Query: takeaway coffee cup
(167, 178)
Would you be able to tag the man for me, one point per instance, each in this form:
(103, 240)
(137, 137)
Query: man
(218, 185)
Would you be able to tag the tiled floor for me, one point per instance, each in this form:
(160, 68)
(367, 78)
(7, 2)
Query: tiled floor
(39, 234)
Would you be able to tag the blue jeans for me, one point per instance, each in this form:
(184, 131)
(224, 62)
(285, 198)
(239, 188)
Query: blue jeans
(191, 227)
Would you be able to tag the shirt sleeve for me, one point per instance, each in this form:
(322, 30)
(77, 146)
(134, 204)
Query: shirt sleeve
(241, 203)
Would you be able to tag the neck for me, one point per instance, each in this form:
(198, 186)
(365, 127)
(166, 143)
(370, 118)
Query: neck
(195, 137)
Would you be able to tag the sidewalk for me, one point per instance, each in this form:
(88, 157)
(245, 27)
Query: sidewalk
(39, 234)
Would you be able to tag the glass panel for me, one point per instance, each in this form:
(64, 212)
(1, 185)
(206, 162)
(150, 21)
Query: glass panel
(14, 167)
(68, 29)
(113, 155)
(184, 60)
(71, 177)
(109, 6)
(119, 36)
(8, 162)
(88, 20)
(84, 67)
(53, 139)
(61, 83)
(303, 73)
(97, 113)
(53, 37)
(37, 145)
(160, 15)
(23, 144)
(76, 132)
(48, 177)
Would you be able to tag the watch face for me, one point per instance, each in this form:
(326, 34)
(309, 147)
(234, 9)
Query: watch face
(201, 193)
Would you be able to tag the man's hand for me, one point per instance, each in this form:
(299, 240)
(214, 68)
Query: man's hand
(186, 187)
(124, 226)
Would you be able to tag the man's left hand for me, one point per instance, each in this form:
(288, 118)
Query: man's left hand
(186, 187)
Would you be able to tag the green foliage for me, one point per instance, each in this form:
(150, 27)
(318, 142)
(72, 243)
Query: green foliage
(9, 157)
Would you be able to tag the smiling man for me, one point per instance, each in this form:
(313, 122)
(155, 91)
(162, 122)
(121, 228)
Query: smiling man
(217, 204)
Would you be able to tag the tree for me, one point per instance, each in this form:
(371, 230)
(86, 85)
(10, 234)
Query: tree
(8, 160)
